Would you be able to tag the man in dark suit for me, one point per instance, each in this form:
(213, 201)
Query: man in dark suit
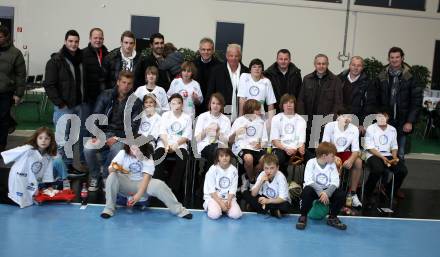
(225, 79)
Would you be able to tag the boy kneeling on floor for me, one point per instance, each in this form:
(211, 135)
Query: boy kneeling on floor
(270, 192)
(321, 181)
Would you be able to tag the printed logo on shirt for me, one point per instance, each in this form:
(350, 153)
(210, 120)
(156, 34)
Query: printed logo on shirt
(321, 179)
(145, 126)
(383, 139)
(254, 91)
(183, 93)
(224, 182)
(135, 167)
(270, 192)
(251, 131)
(22, 174)
(36, 167)
(31, 187)
(20, 194)
(341, 141)
(176, 127)
(289, 128)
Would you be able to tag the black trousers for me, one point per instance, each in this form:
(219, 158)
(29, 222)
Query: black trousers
(308, 195)
(284, 207)
(377, 170)
(283, 159)
(174, 178)
(209, 153)
(6, 102)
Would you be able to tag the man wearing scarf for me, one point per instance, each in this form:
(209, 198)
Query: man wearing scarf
(401, 95)
(64, 85)
(12, 81)
(124, 58)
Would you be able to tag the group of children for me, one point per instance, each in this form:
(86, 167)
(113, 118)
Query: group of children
(167, 121)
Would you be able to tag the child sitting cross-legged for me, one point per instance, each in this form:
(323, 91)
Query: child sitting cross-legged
(270, 192)
(321, 181)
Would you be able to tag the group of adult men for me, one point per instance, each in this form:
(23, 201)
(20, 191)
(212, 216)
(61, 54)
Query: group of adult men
(74, 78)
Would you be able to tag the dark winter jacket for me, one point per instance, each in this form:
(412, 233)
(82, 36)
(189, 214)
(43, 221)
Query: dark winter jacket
(165, 77)
(112, 65)
(104, 105)
(220, 82)
(320, 96)
(284, 84)
(360, 97)
(93, 71)
(12, 70)
(409, 96)
(61, 83)
(204, 71)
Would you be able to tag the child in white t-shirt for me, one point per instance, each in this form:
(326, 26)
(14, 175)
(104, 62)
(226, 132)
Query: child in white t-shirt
(150, 120)
(249, 136)
(151, 74)
(212, 129)
(288, 133)
(174, 134)
(131, 174)
(220, 187)
(382, 155)
(270, 192)
(321, 181)
(345, 136)
(188, 88)
(254, 86)
(35, 166)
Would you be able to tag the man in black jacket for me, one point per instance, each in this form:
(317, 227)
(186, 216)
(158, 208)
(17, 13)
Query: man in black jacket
(401, 94)
(65, 86)
(284, 76)
(205, 63)
(225, 79)
(359, 93)
(93, 56)
(157, 42)
(125, 58)
(321, 94)
(12, 82)
(112, 103)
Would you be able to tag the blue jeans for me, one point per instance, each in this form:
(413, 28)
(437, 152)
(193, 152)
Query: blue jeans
(83, 111)
(59, 169)
(401, 142)
(107, 154)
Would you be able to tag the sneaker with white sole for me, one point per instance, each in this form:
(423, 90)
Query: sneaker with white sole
(93, 185)
(355, 202)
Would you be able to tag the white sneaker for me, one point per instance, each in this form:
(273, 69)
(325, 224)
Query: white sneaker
(355, 202)
(245, 183)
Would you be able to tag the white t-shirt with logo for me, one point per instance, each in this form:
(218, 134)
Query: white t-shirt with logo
(186, 91)
(278, 187)
(255, 132)
(323, 177)
(222, 181)
(382, 140)
(343, 140)
(159, 93)
(260, 90)
(206, 120)
(290, 130)
(175, 128)
(150, 125)
(134, 166)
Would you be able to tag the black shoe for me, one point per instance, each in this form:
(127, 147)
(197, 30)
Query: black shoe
(302, 223)
(74, 173)
(335, 222)
(105, 215)
(276, 213)
(188, 216)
